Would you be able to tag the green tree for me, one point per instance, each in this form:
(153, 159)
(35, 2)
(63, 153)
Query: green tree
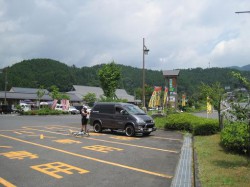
(40, 93)
(109, 76)
(242, 113)
(215, 94)
(90, 98)
(55, 94)
(64, 96)
(108, 99)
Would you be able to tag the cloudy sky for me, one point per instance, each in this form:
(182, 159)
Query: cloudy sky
(178, 33)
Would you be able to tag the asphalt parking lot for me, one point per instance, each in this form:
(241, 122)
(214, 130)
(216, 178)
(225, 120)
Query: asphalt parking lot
(39, 151)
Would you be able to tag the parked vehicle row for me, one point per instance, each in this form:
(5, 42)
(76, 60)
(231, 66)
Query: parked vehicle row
(71, 110)
(5, 109)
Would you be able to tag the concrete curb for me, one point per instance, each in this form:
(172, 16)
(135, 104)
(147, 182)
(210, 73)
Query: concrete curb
(183, 174)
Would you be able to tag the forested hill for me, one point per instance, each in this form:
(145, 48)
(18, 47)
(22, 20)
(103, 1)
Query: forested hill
(47, 72)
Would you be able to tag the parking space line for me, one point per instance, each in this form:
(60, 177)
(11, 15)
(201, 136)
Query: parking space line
(11, 130)
(7, 147)
(124, 138)
(6, 183)
(90, 158)
(67, 141)
(52, 132)
(175, 139)
(132, 145)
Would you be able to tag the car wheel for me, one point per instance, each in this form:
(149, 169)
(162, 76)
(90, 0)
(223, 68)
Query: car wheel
(146, 133)
(97, 127)
(130, 130)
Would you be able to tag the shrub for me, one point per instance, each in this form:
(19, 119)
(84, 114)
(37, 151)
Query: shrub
(44, 111)
(179, 122)
(188, 122)
(203, 126)
(235, 137)
(160, 122)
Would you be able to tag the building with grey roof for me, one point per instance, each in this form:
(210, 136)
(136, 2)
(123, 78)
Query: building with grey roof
(81, 91)
(171, 73)
(19, 94)
(27, 90)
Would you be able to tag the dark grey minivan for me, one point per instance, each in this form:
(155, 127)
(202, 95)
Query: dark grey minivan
(121, 116)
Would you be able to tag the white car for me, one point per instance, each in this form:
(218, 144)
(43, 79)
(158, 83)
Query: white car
(59, 107)
(25, 107)
(73, 110)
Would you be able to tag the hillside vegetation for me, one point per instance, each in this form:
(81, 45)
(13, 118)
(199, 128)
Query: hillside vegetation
(47, 72)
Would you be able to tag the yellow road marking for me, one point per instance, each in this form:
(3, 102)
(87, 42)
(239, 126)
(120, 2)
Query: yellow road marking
(26, 132)
(11, 130)
(124, 138)
(47, 131)
(67, 141)
(8, 147)
(91, 132)
(58, 167)
(17, 132)
(168, 138)
(91, 158)
(6, 183)
(132, 145)
(39, 135)
(20, 155)
(102, 148)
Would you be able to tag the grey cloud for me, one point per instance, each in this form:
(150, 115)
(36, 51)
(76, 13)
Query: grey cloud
(179, 34)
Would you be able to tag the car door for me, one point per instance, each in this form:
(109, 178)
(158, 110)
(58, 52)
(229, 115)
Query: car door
(107, 115)
(120, 117)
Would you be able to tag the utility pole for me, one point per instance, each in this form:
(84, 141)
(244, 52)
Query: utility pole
(5, 87)
(145, 51)
(5, 71)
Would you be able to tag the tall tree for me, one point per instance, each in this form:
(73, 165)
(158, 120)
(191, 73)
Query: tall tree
(242, 113)
(90, 98)
(109, 76)
(55, 94)
(214, 93)
(40, 93)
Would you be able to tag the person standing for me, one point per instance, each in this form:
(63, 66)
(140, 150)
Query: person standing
(84, 114)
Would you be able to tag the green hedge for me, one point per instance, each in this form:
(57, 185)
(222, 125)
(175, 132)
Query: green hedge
(235, 137)
(204, 126)
(45, 111)
(188, 122)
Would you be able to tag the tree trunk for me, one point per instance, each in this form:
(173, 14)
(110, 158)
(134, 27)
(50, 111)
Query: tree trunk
(220, 116)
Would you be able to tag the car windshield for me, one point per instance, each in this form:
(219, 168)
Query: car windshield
(132, 109)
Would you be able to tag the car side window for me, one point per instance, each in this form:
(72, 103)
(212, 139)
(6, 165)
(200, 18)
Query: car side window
(107, 109)
(118, 110)
(124, 112)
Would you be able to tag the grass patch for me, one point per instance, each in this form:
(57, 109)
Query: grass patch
(217, 167)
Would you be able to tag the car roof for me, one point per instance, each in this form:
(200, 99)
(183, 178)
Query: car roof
(112, 103)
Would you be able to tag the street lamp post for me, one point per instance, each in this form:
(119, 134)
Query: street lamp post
(145, 51)
(5, 87)
(5, 83)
